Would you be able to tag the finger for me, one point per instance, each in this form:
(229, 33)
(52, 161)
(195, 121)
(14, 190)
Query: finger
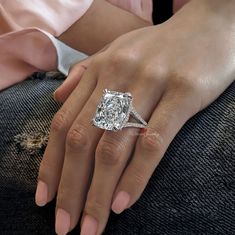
(51, 165)
(62, 93)
(169, 116)
(112, 154)
(81, 142)
(75, 75)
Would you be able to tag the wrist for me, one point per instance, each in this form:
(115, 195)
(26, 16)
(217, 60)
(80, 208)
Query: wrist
(223, 10)
(102, 23)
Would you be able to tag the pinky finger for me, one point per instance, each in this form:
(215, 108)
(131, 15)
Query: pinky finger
(75, 75)
(71, 82)
(151, 146)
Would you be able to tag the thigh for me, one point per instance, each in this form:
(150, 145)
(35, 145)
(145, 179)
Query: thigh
(191, 192)
(26, 110)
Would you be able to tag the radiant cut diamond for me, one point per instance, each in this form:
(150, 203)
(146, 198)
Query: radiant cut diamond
(113, 111)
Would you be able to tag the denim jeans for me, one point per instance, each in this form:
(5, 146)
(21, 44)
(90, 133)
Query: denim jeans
(192, 191)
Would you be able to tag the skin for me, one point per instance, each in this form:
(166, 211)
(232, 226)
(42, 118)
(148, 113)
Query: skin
(102, 17)
(107, 23)
(184, 64)
(178, 4)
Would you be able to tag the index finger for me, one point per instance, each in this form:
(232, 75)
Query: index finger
(51, 164)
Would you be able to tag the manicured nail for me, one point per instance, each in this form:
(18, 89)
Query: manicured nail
(54, 95)
(120, 203)
(41, 194)
(89, 226)
(62, 224)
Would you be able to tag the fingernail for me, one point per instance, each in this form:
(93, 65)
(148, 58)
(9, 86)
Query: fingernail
(62, 224)
(54, 95)
(41, 194)
(89, 226)
(121, 201)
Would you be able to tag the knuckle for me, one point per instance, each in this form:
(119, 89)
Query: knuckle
(186, 83)
(123, 59)
(108, 152)
(59, 122)
(95, 205)
(78, 138)
(187, 90)
(152, 142)
(154, 73)
(76, 67)
(138, 177)
(149, 76)
(97, 60)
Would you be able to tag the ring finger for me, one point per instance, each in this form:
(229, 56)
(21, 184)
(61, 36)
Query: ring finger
(112, 155)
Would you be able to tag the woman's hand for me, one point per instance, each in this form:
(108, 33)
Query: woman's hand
(173, 71)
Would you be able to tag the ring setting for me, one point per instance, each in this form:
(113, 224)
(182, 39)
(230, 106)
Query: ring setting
(114, 111)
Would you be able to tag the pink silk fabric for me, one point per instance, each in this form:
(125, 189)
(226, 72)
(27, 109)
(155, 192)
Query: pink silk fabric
(25, 49)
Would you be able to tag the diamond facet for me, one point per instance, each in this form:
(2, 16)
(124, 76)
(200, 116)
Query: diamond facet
(113, 111)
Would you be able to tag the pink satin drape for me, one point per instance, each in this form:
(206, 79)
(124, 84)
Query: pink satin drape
(24, 49)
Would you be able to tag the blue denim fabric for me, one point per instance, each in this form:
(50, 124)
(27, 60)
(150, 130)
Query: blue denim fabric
(192, 191)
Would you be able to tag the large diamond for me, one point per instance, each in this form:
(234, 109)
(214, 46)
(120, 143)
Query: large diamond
(113, 111)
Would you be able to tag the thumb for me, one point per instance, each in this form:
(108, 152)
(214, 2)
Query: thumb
(75, 75)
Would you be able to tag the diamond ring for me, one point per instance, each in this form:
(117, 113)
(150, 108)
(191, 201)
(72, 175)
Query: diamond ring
(114, 111)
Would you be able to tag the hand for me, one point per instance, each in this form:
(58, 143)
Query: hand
(173, 71)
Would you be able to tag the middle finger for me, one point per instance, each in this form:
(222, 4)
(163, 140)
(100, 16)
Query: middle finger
(112, 154)
(81, 141)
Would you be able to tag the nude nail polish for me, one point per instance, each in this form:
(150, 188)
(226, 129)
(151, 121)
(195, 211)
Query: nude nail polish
(62, 224)
(41, 194)
(89, 226)
(121, 201)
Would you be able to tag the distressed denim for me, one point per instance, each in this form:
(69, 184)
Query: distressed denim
(192, 191)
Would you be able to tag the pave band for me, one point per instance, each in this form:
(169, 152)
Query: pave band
(137, 117)
(114, 111)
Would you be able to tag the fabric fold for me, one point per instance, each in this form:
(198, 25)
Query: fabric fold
(66, 56)
(41, 51)
(23, 53)
(28, 31)
(53, 16)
